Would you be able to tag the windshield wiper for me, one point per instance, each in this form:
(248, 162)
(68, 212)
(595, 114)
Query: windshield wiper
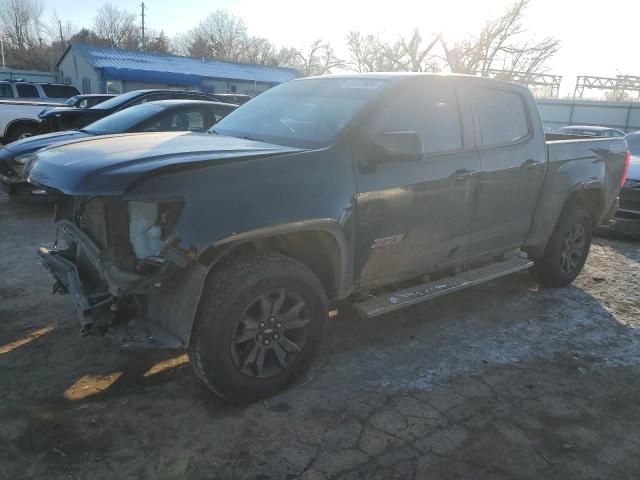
(84, 130)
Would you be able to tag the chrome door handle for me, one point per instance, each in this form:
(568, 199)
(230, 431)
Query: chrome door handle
(462, 175)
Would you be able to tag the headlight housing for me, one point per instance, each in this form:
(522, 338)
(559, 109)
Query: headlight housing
(24, 159)
(149, 225)
(23, 163)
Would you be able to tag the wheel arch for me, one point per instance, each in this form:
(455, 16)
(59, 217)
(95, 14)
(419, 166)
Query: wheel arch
(320, 244)
(18, 122)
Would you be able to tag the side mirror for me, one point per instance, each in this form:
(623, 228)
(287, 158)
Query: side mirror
(391, 147)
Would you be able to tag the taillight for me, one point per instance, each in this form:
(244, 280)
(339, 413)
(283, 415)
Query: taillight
(625, 172)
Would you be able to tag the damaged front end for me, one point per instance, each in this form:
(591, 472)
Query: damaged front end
(119, 263)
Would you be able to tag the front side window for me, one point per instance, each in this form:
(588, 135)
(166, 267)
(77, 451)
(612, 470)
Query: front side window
(431, 111)
(503, 116)
(27, 91)
(302, 113)
(6, 91)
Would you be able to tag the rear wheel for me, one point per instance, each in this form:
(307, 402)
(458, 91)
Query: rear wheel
(260, 324)
(567, 249)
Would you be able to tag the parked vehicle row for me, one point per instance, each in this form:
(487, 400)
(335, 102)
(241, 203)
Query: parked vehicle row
(57, 119)
(373, 190)
(158, 116)
(20, 119)
(591, 131)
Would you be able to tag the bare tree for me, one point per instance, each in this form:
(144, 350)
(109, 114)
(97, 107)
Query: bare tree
(21, 23)
(499, 45)
(417, 57)
(116, 27)
(220, 35)
(318, 59)
(368, 53)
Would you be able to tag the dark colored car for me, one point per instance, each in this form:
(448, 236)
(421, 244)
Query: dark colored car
(591, 131)
(322, 190)
(57, 119)
(160, 116)
(81, 101)
(627, 219)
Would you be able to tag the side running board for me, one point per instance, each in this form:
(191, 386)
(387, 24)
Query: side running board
(388, 302)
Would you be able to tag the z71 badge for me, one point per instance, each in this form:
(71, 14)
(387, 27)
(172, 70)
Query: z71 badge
(386, 241)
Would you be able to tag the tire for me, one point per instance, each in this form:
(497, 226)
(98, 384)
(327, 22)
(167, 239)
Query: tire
(21, 131)
(567, 249)
(234, 330)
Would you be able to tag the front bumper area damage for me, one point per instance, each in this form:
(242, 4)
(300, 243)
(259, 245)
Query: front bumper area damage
(151, 308)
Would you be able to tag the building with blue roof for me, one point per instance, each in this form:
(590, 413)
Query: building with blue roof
(94, 69)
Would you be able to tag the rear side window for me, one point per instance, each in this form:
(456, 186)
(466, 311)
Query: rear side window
(503, 117)
(27, 91)
(433, 113)
(6, 91)
(59, 91)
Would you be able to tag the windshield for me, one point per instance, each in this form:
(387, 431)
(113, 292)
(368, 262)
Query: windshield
(124, 120)
(305, 113)
(116, 101)
(71, 101)
(633, 141)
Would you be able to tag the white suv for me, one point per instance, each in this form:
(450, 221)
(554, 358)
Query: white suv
(41, 92)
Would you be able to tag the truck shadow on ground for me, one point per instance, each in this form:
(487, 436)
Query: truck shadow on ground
(74, 399)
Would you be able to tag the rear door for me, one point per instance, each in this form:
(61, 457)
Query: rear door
(414, 215)
(512, 157)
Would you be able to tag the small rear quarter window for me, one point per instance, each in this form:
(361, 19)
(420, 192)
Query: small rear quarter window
(503, 116)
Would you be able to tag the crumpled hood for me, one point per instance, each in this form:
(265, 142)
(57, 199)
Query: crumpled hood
(109, 165)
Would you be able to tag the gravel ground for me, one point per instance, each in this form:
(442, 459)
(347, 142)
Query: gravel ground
(505, 380)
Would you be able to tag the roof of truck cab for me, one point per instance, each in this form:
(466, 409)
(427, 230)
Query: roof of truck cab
(401, 75)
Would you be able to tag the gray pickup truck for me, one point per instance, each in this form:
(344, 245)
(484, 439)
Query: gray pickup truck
(376, 191)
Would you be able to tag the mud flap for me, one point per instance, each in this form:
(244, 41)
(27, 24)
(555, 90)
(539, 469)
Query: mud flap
(173, 306)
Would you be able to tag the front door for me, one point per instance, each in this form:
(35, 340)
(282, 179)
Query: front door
(414, 215)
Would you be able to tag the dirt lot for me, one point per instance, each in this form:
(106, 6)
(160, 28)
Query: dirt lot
(505, 380)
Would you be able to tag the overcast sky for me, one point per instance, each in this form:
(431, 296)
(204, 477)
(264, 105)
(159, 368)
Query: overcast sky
(598, 37)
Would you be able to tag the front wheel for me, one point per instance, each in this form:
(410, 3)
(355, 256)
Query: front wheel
(260, 323)
(21, 131)
(567, 249)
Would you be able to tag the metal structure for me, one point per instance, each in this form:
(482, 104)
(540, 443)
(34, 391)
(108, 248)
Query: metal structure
(618, 85)
(542, 84)
(556, 113)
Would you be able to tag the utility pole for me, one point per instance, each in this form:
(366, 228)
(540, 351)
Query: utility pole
(61, 35)
(143, 42)
(2, 50)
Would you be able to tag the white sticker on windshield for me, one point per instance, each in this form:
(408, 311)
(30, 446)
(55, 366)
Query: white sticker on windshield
(364, 83)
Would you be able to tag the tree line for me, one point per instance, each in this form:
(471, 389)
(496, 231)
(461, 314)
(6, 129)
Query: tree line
(502, 43)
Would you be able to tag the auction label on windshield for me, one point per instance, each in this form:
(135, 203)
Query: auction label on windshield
(364, 83)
